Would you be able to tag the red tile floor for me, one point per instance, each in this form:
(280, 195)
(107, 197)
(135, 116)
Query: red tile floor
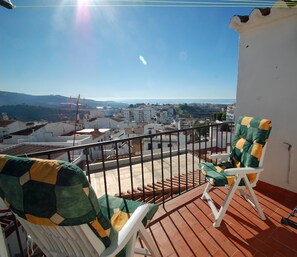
(184, 226)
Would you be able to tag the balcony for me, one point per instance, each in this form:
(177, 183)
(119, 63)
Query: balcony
(162, 168)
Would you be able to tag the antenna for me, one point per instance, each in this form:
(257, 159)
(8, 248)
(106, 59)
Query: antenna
(76, 114)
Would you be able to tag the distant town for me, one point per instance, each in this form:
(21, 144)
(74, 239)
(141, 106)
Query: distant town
(81, 124)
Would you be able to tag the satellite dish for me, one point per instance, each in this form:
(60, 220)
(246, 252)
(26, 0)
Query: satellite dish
(7, 4)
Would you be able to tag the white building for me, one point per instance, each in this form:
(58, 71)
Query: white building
(128, 114)
(138, 114)
(100, 123)
(60, 128)
(230, 112)
(96, 113)
(266, 87)
(10, 126)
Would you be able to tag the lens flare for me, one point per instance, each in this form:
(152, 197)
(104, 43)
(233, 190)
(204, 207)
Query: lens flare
(83, 11)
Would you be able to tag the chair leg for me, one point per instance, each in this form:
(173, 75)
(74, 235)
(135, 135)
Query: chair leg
(147, 239)
(206, 190)
(254, 201)
(220, 214)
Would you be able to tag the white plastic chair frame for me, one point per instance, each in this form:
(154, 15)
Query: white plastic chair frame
(239, 173)
(80, 241)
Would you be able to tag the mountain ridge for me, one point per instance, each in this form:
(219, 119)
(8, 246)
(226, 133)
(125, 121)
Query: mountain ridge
(13, 98)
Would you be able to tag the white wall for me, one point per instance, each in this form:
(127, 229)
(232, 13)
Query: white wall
(267, 87)
(60, 128)
(103, 123)
(16, 126)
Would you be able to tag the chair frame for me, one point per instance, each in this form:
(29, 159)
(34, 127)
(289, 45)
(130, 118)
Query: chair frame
(239, 173)
(75, 241)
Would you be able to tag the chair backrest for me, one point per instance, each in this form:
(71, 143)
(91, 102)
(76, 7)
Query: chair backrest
(248, 145)
(64, 240)
(53, 198)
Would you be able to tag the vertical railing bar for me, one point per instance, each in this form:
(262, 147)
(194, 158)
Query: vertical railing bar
(118, 169)
(217, 135)
(69, 157)
(162, 171)
(88, 166)
(232, 127)
(226, 137)
(142, 169)
(211, 138)
(221, 137)
(205, 144)
(131, 170)
(170, 160)
(153, 171)
(105, 180)
(186, 157)
(199, 152)
(193, 157)
(178, 160)
(49, 156)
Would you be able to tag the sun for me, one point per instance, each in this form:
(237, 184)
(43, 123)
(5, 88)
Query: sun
(82, 11)
(84, 2)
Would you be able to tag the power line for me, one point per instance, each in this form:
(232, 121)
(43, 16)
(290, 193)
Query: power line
(170, 3)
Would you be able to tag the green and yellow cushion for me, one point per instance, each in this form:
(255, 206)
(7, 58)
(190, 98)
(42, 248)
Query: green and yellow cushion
(51, 193)
(119, 210)
(250, 136)
(57, 193)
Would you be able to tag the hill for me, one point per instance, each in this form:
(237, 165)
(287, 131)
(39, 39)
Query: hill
(9, 98)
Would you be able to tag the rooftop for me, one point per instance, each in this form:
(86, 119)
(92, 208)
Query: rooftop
(23, 149)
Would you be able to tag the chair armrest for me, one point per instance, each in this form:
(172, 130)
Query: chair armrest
(222, 156)
(129, 230)
(245, 170)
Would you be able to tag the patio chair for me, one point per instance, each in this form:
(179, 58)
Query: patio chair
(239, 169)
(57, 206)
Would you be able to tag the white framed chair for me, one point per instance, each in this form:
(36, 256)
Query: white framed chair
(60, 211)
(239, 169)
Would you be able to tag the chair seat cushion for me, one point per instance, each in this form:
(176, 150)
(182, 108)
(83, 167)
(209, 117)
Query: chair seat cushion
(118, 210)
(215, 174)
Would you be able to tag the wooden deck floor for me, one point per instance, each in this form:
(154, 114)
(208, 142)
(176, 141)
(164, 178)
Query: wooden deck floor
(184, 227)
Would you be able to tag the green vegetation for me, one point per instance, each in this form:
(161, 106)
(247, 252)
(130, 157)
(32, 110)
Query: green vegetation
(220, 116)
(25, 112)
(199, 110)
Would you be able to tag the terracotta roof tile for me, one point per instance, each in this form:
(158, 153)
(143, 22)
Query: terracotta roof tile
(5, 123)
(23, 149)
(28, 131)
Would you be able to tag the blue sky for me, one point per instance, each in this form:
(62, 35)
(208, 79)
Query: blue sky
(118, 52)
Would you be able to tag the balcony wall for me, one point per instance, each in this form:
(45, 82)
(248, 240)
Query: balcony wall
(267, 76)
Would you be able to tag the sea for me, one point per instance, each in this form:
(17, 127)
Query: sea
(178, 101)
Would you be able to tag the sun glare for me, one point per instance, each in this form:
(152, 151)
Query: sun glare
(83, 12)
(83, 2)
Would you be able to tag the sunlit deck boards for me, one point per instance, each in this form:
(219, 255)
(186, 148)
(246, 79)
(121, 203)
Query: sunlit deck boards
(184, 227)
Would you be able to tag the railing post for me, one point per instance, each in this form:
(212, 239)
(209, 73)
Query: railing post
(88, 167)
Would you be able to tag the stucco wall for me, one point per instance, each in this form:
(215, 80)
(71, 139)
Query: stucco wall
(267, 87)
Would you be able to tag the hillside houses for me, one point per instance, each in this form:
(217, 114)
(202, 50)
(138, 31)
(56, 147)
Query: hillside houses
(18, 137)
